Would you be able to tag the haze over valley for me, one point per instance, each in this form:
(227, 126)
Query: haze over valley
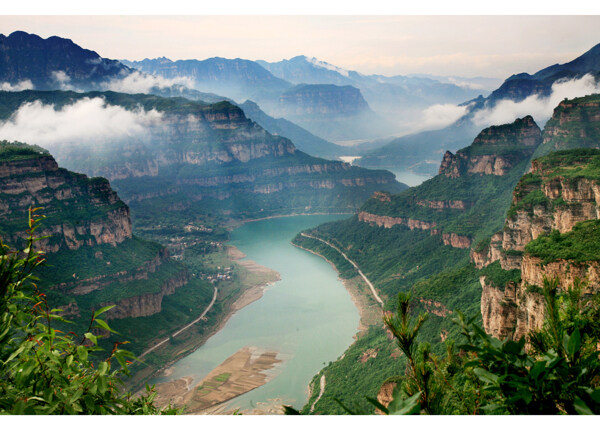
(405, 231)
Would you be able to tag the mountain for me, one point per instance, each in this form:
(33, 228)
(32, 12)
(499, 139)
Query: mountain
(92, 257)
(53, 63)
(331, 111)
(302, 69)
(239, 79)
(480, 237)
(551, 230)
(419, 241)
(381, 92)
(520, 86)
(207, 158)
(302, 139)
(430, 144)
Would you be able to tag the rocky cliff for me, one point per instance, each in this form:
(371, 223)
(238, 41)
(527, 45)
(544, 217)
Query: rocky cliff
(328, 100)
(81, 211)
(93, 259)
(495, 150)
(551, 205)
(574, 123)
(196, 151)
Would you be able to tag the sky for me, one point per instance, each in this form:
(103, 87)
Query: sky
(468, 46)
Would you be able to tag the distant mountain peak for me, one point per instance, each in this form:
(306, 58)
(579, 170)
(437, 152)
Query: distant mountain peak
(322, 64)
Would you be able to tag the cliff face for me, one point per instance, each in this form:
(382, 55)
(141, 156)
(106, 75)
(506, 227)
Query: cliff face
(457, 203)
(574, 124)
(93, 258)
(561, 191)
(95, 213)
(194, 151)
(329, 100)
(495, 150)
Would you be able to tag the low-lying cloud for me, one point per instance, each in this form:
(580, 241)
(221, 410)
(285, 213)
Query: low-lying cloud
(540, 107)
(23, 85)
(441, 115)
(137, 83)
(88, 121)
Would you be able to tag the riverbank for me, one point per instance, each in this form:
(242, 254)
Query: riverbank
(370, 312)
(237, 223)
(327, 313)
(247, 369)
(255, 279)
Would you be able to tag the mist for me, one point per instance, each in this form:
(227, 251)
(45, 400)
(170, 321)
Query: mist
(89, 121)
(540, 107)
(441, 115)
(137, 83)
(23, 85)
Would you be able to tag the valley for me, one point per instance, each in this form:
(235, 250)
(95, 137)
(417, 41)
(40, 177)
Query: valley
(289, 236)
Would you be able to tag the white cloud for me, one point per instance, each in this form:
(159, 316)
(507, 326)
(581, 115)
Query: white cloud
(21, 86)
(541, 108)
(63, 79)
(441, 115)
(87, 121)
(137, 83)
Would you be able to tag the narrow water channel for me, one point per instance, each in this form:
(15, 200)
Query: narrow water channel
(307, 316)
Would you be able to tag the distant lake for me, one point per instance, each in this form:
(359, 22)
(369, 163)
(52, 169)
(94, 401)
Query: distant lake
(308, 315)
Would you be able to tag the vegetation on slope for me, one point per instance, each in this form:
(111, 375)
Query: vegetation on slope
(46, 371)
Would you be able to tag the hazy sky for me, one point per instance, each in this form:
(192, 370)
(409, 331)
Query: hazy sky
(494, 46)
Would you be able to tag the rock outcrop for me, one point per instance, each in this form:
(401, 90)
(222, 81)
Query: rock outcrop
(561, 191)
(495, 150)
(80, 211)
(89, 227)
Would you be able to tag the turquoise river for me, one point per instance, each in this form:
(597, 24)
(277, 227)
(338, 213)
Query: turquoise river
(307, 316)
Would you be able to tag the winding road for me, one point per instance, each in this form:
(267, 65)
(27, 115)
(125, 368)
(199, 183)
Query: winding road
(375, 295)
(184, 328)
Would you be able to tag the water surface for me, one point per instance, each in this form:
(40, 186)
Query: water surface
(307, 316)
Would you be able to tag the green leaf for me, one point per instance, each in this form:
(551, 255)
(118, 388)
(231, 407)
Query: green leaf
(485, 376)
(102, 387)
(408, 406)
(574, 344)
(105, 326)
(102, 368)
(91, 337)
(581, 408)
(102, 310)
(82, 353)
(378, 405)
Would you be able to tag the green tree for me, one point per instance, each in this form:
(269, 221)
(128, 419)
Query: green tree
(44, 370)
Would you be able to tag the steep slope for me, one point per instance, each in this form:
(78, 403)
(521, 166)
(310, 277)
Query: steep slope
(53, 62)
(239, 79)
(550, 231)
(93, 259)
(516, 88)
(419, 240)
(209, 159)
(520, 86)
(574, 123)
(334, 112)
(302, 139)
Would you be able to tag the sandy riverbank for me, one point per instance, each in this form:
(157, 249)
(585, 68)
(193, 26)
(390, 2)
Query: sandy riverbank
(243, 371)
(258, 278)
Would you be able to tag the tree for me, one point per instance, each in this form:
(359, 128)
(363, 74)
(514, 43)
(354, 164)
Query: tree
(44, 370)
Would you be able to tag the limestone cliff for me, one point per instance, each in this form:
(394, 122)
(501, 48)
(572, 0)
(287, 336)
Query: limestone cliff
(556, 200)
(575, 123)
(495, 150)
(80, 211)
(93, 258)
